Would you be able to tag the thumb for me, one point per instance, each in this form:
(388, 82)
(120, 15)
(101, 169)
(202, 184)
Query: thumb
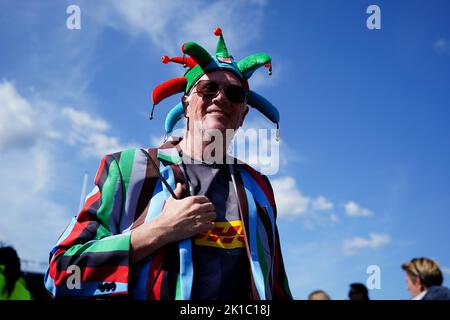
(178, 190)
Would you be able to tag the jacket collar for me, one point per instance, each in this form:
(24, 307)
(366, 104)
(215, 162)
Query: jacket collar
(169, 152)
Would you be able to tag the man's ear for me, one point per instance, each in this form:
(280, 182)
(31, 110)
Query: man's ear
(417, 282)
(185, 102)
(244, 114)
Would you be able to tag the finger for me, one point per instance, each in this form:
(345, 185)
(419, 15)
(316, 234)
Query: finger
(199, 199)
(178, 190)
(204, 207)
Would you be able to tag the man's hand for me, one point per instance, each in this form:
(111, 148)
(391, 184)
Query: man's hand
(186, 217)
(180, 219)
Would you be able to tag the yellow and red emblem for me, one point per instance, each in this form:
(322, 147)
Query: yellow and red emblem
(225, 235)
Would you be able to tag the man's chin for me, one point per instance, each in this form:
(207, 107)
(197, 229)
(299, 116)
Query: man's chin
(214, 124)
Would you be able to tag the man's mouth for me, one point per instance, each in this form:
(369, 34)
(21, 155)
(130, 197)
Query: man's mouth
(216, 112)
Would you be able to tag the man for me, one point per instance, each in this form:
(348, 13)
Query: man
(424, 280)
(358, 291)
(181, 221)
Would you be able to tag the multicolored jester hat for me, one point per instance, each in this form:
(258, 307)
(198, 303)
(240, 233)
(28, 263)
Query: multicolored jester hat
(200, 62)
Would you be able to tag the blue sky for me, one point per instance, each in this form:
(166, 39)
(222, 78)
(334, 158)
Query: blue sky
(365, 176)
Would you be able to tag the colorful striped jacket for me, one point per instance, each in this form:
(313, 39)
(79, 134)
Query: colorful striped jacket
(92, 256)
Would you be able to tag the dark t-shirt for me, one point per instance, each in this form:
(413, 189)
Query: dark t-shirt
(221, 269)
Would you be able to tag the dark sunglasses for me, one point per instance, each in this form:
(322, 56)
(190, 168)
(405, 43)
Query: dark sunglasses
(208, 89)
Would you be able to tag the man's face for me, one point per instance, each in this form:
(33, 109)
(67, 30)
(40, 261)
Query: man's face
(217, 112)
(414, 285)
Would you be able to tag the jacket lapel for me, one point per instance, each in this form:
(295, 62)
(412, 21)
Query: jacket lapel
(169, 157)
(243, 210)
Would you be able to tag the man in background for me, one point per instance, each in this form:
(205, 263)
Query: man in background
(424, 280)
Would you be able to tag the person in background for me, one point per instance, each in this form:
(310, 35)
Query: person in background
(424, 280)
(358, 291)
(318, 295)
(12, 285)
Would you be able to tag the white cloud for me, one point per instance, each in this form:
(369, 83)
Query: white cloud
(90, 133)
(24, 122)
(18, 127)
(290, 200)
(354, 210)
(84, 120)
(169, 24)
(157, 140)
(35, 178)
(334, 218)
(98, 144)
(31, 219)
(322, 204)
(375, 240)
(291, 203)
(442, 46)
(19, 116)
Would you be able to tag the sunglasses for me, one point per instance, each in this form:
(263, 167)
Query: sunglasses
(208, 89)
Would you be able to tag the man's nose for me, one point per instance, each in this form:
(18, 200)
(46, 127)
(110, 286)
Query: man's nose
(220, 97)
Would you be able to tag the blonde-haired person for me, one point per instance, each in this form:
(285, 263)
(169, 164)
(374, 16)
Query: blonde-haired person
(318, 295)
(424, 280)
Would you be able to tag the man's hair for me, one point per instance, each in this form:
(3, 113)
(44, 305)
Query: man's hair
(318, 295)
(9, 258)
(424, 269)
(358, 289)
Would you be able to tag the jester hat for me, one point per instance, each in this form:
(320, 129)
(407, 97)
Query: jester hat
(199, 62)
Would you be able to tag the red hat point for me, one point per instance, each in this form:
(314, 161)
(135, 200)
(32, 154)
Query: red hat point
(217, 31)
(165, 59)
(269, 66)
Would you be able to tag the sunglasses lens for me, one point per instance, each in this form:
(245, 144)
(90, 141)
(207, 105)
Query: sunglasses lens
(207, 88)
(235, 93)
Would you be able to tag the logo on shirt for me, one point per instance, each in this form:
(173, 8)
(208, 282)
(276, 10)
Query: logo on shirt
(225, 235)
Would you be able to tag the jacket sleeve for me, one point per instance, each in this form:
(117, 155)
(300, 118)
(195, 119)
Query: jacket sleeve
(281, 290)
(91, 258)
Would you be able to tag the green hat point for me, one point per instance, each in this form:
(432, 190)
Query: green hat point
(250, 64)
(221, 50)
